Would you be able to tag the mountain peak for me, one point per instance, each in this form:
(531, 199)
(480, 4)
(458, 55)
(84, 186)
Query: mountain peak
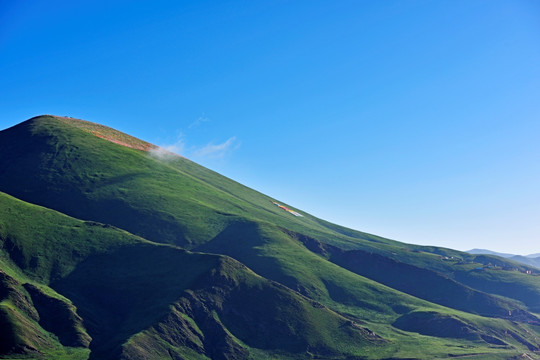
(101, 131)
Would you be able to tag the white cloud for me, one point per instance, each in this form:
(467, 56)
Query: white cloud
(216, 150)
(209, 151)
(177, 147)
(200, 120)
(169, 152)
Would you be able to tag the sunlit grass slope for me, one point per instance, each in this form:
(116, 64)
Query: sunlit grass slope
(171, 199)
(115, 285)
(408, 295)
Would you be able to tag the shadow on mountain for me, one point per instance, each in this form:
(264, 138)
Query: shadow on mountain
(434, 287)
(124, 292)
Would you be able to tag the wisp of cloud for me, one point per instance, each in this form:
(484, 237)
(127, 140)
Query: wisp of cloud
(168, 152)
(216, 151)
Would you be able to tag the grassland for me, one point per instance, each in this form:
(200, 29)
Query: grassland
(158, 257)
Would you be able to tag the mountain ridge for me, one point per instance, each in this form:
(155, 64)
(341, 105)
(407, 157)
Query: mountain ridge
(531, 259)
(178, 209)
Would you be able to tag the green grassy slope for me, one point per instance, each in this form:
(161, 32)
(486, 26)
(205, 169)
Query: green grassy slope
(117, 287)
(177, 201)
(91, 178)
(434, 286)
(34, 322)
(407, 294)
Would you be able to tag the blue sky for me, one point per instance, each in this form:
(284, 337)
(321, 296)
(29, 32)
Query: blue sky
(414, 120)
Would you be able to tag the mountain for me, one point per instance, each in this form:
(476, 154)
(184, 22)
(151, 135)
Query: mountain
(489, 252)
(114, 249)
(531, 260)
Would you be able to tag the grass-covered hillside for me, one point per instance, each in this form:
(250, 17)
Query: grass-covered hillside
(111, 249)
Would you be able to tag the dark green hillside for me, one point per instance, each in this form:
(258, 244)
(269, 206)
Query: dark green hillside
(177, 201)
(123, 293)
(434, 287)
(153, 257)
(92, 178)
(119, 285)
(36, 322)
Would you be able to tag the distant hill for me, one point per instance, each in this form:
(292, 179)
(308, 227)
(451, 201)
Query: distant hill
(531, 260)
(113, 249)
(489, 252)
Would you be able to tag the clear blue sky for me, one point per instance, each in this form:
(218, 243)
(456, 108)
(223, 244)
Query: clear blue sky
(414, 120)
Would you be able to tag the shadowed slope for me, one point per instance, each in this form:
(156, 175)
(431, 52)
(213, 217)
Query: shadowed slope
(123, 286)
